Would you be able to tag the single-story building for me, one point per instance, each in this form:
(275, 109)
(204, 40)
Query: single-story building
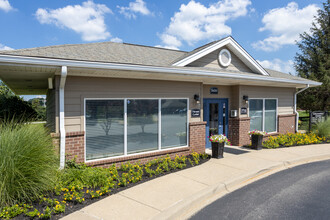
(115, 102)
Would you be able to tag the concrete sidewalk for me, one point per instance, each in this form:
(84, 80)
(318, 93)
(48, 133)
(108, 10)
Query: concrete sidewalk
(181, 194)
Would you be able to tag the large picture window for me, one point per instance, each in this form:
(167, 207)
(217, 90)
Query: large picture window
(104, 128)
(263, 114)
(122, 127)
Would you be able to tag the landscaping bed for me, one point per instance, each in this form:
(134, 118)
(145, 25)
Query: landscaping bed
(291, 140)
(78, 185)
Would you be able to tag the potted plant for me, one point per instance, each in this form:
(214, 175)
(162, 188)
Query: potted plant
(183, 137)
(218, 144)
(256, 138)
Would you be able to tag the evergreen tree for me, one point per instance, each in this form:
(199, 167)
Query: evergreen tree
(313, 62)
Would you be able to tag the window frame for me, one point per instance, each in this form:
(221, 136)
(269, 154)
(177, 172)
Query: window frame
(159, 149)
(264, 111)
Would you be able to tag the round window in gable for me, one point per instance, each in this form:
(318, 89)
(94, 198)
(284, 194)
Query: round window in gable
(224, 57)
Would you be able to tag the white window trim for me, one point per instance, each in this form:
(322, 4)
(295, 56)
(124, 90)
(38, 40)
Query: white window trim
(125, 128)
(263, 113)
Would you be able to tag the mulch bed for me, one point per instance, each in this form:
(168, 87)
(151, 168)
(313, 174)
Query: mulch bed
(74, 206)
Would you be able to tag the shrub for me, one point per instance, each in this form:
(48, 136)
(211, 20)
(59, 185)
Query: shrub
(27, 162)
(290, 139)
(322, 129)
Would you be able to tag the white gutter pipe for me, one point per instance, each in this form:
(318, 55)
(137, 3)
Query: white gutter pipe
(64, 73)
(295, 105)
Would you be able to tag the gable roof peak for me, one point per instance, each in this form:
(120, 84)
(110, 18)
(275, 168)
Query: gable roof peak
(232, 44)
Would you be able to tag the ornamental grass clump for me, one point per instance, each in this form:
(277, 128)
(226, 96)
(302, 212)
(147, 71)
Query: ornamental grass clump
(322, 129)
(219, 138)
(28, 162)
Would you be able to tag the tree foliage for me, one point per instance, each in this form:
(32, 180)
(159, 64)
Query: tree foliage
(313, 62)
(13, 106)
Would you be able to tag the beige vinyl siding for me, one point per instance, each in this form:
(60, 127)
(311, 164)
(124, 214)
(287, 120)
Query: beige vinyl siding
(79, 88)
(285, 97)
(211, 61)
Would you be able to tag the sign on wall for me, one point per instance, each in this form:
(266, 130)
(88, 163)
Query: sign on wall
(195, 113)
(243, 111)
(214, 90)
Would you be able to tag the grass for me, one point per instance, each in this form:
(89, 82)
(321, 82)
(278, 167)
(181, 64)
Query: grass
(27, 162)
(303, 113)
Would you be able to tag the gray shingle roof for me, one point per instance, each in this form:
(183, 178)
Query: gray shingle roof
(123, 53)
(104, 52)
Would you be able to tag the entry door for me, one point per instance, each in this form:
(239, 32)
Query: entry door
(216, 116)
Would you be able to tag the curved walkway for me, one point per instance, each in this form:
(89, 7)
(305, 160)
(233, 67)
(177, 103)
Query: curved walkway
(179, 195)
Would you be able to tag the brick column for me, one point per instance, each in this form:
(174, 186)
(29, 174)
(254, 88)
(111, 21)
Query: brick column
(74, 146)
(197, 136)
(238, 131)
(286, 123)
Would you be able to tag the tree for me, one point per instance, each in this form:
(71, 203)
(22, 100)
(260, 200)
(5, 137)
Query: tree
(13, 106)
(38, 104)
(313, 62)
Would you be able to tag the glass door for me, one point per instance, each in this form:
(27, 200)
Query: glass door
(216, 116)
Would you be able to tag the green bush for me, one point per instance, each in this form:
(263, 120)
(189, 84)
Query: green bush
(322, 129)
(290, 139)
(27, 162)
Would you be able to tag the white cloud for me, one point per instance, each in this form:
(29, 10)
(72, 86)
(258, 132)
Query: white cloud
(285, 25)
(5, 5)
(279, 65)
(139, 6)
(116, 40)
(4, 47)
(86, 19)
(195, 21)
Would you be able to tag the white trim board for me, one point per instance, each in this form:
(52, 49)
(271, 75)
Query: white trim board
(239, 51)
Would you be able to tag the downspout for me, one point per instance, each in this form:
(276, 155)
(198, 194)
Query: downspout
(295, 105)
(64, 72)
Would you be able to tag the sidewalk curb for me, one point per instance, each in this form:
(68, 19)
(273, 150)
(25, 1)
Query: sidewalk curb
(192, 204)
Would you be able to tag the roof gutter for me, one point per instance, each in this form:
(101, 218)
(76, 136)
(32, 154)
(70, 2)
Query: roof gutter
(295, 105)
(64, 73)
(142, 68)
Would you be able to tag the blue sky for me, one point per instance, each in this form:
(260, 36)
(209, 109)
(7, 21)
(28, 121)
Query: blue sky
(267, 29)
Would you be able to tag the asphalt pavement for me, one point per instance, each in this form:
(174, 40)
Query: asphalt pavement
(301, 192)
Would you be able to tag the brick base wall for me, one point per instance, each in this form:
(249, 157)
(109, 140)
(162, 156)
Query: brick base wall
(286, 123)
(238, 131)
(74, 147)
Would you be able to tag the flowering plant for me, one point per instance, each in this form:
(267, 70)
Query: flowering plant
(219, 138)
(257, 132)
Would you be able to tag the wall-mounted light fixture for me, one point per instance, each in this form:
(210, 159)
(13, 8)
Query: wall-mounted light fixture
(246, 98)
(197, 98)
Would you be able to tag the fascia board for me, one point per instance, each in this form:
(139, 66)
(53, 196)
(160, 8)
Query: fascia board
(131, 67)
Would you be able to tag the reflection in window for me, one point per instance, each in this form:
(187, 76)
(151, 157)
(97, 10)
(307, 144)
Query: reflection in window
(256, 115)
(263, 114)
(105, 124)
(142, 125)
(270, 115)
(174, 122)
(104, 128)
